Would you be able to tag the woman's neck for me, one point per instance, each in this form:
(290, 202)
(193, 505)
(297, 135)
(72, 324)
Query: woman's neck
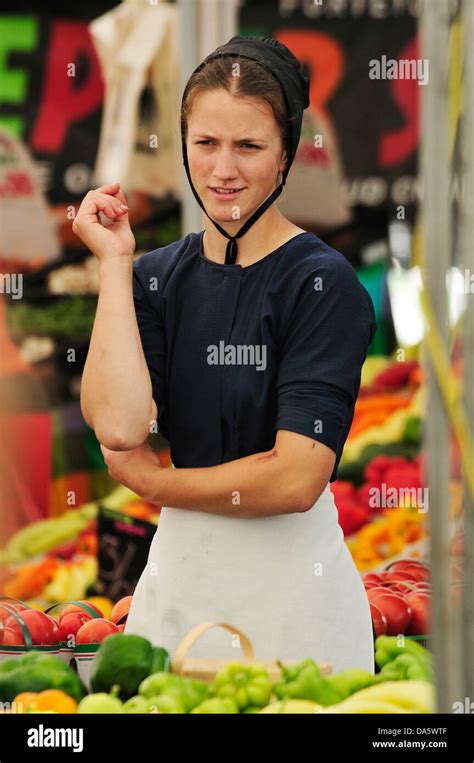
(269, 232)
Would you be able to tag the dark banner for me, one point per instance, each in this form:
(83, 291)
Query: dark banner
(366, 82)
(363, 59)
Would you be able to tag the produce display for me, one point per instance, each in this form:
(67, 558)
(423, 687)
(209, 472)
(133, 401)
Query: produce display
(71, 317)
(55, 559)
(126, 673)
(400, 598)
(129, 675)
(62, 650)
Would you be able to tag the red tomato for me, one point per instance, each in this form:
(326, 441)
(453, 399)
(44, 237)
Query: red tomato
(75, 608)
(419, 573)
(420, 604)
(42, 627)
(121, 608)
(399, 588)
(95, 630)
(11, 638)
(372, 576)
(402, 564)
(370, 585)
(396, 611)
(374, 593)
(397, 576)
(70, 624)
(12, 605)
(379, 620)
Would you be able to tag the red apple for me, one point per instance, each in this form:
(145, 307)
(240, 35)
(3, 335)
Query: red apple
(420, 604)
(75, 608)
(42, 627)
(396, 611)
(379, 620)
(121, 608)
(70, 624)
(94, 631)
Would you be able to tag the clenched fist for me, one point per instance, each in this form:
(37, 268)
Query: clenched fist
(105, 242)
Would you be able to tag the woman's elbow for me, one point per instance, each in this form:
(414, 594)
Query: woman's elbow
(117, 440)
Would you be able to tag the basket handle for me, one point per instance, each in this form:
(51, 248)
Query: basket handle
(80, 604)
(24, 628)
(193, 635)
(17, 601)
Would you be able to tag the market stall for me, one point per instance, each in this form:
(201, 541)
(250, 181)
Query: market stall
(74, 542)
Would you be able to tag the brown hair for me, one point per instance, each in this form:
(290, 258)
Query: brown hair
(254, 81)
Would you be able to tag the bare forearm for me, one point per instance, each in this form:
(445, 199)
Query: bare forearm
(116, 391)
(254, 486)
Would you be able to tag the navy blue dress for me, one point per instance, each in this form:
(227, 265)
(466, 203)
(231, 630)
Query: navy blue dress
(236, 353)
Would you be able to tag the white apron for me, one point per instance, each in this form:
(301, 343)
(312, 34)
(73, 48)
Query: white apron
(288, 582)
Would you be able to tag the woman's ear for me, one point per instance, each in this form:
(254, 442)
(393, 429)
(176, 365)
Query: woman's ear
(282, 165)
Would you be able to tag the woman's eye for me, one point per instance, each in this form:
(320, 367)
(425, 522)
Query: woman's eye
(207, 142)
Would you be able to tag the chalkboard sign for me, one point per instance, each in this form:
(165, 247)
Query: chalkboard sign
(123, 547)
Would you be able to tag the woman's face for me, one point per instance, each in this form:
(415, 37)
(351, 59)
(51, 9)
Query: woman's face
(233, 143)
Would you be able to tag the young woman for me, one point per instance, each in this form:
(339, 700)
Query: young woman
(249, 355)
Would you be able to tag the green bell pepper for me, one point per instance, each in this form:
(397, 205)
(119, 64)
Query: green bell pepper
(217, 705)
(35, 672)
(8, 665)
(247, 685)
(403, 668)
(189, 691)
(158, 683)
(304, 681)
(161, 661)
(351, 680)
(101, 703)
(165, 703)
(417, 662)
(136, 704)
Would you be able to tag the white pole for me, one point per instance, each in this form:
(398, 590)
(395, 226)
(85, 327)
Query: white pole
(467, 222)
(437, 241)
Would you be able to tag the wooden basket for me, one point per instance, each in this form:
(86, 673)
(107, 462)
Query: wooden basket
(206, 669)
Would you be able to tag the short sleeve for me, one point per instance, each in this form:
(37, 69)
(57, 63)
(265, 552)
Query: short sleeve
(324, 345)
(146, 297)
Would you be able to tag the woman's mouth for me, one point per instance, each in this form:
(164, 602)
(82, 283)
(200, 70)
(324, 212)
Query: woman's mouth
(225, 193)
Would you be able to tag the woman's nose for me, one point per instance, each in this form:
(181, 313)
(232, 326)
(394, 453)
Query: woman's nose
(225, 166)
